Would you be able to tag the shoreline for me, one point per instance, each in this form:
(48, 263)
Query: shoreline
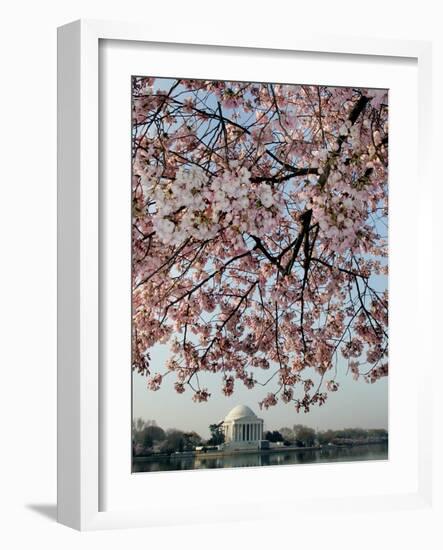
(221, 454)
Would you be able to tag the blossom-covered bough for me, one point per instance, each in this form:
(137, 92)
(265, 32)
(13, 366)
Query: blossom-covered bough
(259, 236)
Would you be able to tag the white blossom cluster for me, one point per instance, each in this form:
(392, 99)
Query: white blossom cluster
(190, 206)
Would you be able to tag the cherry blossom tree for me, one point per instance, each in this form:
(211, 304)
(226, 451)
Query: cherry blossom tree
(259, 236)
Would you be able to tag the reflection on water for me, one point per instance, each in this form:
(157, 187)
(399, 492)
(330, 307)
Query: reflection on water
(334, 454)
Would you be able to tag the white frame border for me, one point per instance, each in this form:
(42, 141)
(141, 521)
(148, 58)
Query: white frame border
(78, 254)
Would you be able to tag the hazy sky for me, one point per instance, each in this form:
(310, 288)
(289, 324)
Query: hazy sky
(356, 404)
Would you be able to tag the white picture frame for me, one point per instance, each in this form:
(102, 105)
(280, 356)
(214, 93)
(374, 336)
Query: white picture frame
(81, 470)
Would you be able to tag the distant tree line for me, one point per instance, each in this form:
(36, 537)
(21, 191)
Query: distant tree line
(298, 435)
(147, 438)
(351, 434)
(303, 436)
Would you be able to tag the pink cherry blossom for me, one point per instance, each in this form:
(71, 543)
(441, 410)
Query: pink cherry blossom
(259, 236)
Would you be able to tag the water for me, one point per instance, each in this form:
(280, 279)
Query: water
(335, 454)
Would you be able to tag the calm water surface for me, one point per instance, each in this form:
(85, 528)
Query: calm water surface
(342, 454)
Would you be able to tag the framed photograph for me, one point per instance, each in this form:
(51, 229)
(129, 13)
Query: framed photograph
(260, 261)
(238, 237)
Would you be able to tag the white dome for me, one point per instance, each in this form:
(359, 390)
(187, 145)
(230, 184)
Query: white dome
(240, 411)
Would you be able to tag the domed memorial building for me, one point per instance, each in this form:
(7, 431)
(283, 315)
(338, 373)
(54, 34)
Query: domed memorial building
(242, 429)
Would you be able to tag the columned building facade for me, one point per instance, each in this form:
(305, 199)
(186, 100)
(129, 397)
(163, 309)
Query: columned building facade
(242, 428)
